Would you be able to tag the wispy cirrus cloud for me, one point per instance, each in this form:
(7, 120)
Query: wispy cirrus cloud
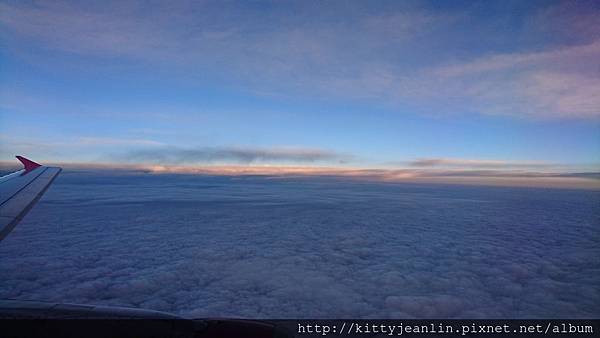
(87, 148)
(114, 141)
(75, 28)
(394, 56)
(559, 82)
(499, 62)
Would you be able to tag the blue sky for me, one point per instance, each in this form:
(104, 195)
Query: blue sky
(461, 85)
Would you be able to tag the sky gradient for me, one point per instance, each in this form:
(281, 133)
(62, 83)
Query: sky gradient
(505, 86)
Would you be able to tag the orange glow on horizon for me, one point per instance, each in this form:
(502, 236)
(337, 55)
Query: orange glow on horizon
(453, 176)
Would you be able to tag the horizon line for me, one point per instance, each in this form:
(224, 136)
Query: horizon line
(488, 177)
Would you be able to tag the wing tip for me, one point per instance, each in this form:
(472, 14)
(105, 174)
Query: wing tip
(28, 164)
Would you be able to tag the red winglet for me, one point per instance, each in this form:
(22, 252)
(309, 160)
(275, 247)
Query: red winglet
(29, 164)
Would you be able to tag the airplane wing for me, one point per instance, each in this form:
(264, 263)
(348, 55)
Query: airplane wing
(20, 191)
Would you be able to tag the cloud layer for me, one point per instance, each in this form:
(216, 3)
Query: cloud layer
(206, 246)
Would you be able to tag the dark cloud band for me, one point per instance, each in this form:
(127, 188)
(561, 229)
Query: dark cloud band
(173, 155)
